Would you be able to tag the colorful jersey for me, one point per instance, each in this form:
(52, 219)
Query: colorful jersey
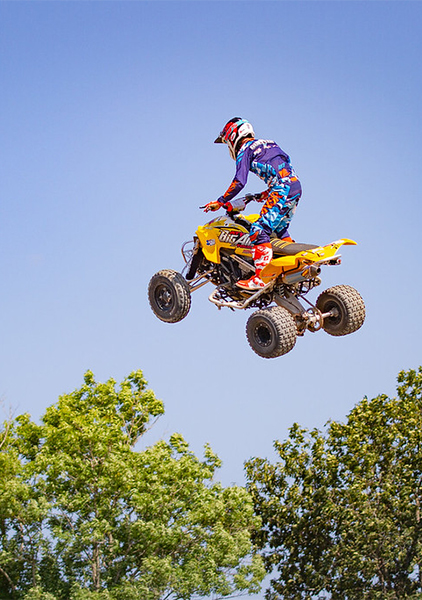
(264, 158)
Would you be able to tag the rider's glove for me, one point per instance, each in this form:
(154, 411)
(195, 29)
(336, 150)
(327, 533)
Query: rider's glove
(258, 197)
(262, 197)
(215, 205)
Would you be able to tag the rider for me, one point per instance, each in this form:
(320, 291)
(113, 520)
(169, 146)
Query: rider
(272, 164)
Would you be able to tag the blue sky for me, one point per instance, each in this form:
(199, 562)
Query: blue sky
(108, 111)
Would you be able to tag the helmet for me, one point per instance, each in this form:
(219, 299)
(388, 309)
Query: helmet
(233, 133)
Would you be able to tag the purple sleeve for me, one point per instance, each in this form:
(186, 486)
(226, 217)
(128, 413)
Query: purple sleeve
(240, 178)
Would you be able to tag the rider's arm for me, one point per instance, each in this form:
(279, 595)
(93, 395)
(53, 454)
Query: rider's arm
(232, 191)
(242, 170)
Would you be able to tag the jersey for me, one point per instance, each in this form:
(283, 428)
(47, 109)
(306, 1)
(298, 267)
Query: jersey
(264, 158)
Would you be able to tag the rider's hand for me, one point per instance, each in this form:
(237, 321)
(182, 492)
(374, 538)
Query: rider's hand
(262, 197)
(215, 205)
(258, 197)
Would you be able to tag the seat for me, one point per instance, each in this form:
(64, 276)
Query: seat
(281, 248)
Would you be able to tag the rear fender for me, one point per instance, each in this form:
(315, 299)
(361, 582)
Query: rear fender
(291, 264)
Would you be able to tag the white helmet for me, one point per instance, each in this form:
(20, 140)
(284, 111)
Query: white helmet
(234, 131)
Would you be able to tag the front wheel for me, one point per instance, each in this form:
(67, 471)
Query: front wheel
(346, 310)
(271, 332)
(169, 296)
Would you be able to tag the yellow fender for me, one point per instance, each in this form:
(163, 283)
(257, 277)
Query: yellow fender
(210, 242)
(295, 264)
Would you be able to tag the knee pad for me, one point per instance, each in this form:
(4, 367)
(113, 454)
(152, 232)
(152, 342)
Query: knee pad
(258, 234)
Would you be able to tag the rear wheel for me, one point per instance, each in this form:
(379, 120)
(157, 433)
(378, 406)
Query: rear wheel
(347, 309)
(271, 332)
(169, 296)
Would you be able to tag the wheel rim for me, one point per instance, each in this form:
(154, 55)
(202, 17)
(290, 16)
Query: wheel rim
(335, 310)
(164, 298)
(263, 335)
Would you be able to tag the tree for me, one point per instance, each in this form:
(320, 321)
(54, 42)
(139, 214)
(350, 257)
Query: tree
(22, 513)
(8, 471)
(117, 523)
(341, 512)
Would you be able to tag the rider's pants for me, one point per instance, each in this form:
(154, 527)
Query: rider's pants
(277, 212)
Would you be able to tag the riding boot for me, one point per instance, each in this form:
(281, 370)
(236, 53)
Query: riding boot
(262, 255)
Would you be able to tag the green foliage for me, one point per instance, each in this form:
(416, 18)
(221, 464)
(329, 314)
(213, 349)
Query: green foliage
(87, 517)
(341, 512)
(36, 593)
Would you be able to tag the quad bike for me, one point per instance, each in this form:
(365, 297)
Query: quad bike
(221, 253)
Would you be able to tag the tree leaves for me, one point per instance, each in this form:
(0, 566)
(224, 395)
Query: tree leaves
(341, 511)
(86, 516)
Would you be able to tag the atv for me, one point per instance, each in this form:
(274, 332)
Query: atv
(221, 253)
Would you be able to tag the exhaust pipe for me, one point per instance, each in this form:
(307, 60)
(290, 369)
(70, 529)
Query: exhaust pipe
(311, 271)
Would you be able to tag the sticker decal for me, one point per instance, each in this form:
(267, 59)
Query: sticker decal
(238, 238)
